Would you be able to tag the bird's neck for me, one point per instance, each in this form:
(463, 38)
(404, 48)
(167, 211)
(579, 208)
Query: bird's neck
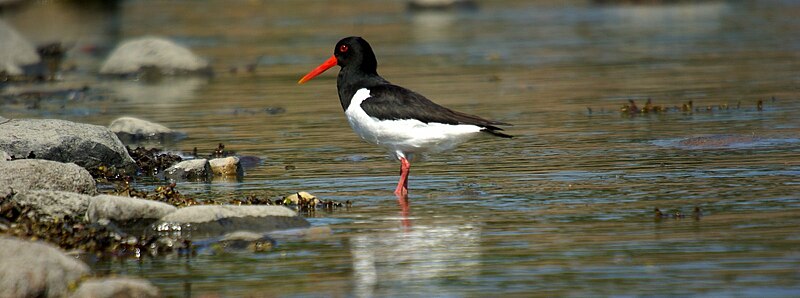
(351, 79)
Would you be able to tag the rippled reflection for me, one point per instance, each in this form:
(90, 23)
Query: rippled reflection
(415, 258)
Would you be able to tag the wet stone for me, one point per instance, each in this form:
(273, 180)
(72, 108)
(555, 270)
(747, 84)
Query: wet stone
(195, 169)
(86, 145)
(116, 287)
(130, 129)
(249, 161)
(69, 230)
(153, 56)
(718, 141)
(227, 166)
(207, 221)
(52, 205)
(441, 5)
(129, 213)
(36, 269)
(242, 241)
(34, 174)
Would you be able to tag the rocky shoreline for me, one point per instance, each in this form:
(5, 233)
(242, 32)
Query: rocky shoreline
(52, 214)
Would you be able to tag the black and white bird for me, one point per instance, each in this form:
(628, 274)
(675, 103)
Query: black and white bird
(400, 120)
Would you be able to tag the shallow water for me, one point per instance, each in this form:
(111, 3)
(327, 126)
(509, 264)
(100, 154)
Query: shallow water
(564, 208)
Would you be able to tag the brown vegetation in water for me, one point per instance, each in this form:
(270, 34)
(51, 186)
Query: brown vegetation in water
(631, 108)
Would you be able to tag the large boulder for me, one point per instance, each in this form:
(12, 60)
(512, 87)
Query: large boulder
(86, 145)
(126, 211)
(206, 221)
(15, 51)
(35, 269)
(115, 287)
(50, 205)
(34, 174)
(152, 52)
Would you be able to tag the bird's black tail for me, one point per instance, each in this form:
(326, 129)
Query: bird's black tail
(495, 131)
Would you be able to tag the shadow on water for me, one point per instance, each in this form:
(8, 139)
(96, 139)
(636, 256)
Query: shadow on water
(564, 208)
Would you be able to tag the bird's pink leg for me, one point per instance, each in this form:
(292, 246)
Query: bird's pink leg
(402, 185)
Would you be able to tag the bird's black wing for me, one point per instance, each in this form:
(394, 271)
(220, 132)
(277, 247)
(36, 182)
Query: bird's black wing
(392, 102)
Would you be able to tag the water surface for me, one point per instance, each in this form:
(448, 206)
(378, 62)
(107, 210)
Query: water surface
(564, 208)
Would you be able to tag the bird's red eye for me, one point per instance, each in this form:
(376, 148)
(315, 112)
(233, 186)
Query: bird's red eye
(343, 48)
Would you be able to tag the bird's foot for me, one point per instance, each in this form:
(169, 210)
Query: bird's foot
(401, 193)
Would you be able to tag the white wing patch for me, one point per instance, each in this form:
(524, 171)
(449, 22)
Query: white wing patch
(407, 136)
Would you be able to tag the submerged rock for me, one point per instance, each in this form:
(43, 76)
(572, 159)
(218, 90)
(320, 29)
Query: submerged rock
(163, 55)
(35, 269)
(15, 51)
(116, 287)
(34, 174)
(227, 166)
(51, 205)
(718, 141)
(130, 129)
(86, 145)
(126, 211)
(195, 169)
(441, 5)
(243, 241)
(197, 222)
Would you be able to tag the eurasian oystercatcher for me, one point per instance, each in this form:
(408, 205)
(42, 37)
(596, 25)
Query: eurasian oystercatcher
(400, 120)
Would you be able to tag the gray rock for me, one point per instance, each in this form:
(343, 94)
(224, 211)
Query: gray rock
(86, 145)
(129, 128)
(4, 156)
(170, 58)
(126, 211)
(198, 222)
(35, 174)
(242, 236)
(115, 287)
(36, 269)
(15, 51)
(195, 169)
(227, 166)
(49, 205)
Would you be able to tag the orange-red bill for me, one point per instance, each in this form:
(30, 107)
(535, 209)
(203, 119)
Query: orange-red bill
(331, 62)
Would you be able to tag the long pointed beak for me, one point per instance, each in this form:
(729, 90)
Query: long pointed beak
(331, 62)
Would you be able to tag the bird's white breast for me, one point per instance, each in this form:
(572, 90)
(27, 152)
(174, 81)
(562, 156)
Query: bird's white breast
(406, 136)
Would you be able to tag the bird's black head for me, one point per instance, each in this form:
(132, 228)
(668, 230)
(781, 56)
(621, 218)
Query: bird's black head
(355, 52)
(359, 68)
(354, 55)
